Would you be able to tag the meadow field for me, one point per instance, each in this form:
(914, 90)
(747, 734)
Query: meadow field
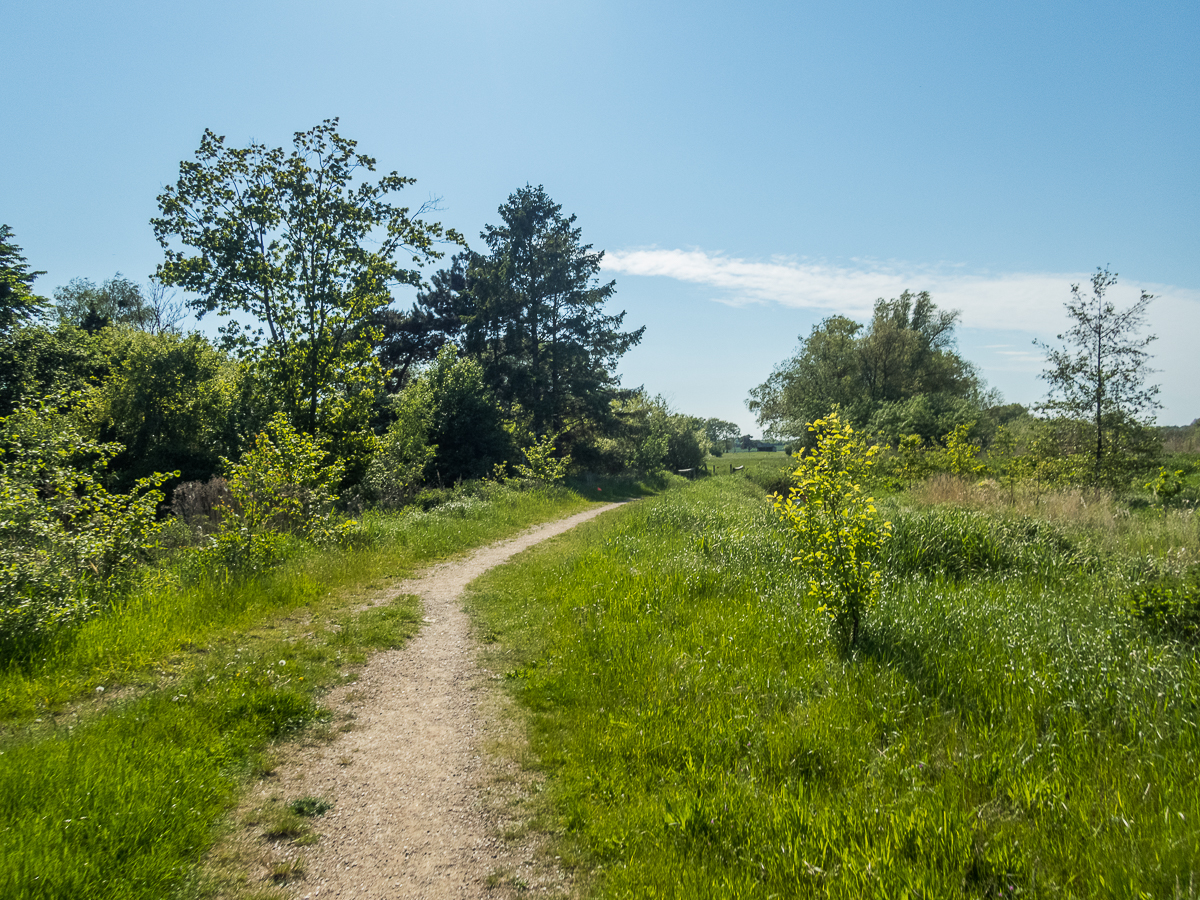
(1019, 717)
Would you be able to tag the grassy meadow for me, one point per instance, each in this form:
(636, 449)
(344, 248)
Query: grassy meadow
(125, 741)
(1011, 723)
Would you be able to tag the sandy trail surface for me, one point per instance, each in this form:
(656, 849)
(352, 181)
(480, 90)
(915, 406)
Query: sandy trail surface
(407, 782)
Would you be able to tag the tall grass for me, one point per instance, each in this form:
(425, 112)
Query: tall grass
(1107, 526)
(118, 798)
(1006, 728)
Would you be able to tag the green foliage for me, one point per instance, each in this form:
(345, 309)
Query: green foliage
(68, 545)
(171, 401)
(293, 242)
(836, 524)
(399, 466)
(1099, 375)
(38, 362)
(536, 321)
(902, 369)
(1166, 485)
(931, 416)
(1170, 600)
(18, 302)
(284, 484)
(648, 437)
(310, 807)
(465, 423)
(721, 435)
(687, 444)
(540, 463)
(117, 302)
(961, 451)
(641, 439)
(912, 458)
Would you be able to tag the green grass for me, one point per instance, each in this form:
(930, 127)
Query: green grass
(118, 798)
(163, 628)
(1006, 727)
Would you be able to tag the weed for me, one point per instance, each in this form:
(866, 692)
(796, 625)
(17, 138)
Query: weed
(310, 807)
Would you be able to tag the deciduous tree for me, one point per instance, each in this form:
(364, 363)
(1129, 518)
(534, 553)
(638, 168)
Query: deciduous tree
(308, 251)
(906, 352)
(1099, 372)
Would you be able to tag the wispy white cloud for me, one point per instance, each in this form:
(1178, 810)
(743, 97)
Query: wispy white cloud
(1031, 302)
(1006, 303)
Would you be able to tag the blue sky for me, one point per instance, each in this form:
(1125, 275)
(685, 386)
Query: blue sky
(748, 171)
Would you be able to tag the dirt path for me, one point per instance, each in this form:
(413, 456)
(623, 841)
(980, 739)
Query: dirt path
(406, 782)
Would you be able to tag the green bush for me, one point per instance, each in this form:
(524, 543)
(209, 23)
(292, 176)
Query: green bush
(67, 545)
(1171, 602)
(283, 484)
(397, 470)
(838, 529)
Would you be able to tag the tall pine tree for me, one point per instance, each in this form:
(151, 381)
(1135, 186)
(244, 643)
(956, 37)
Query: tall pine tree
(537, 322)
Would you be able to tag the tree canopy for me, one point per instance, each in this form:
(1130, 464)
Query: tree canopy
(308, 251)
(18, 302)
(874, 374)
(1099, 373)
(536, 318)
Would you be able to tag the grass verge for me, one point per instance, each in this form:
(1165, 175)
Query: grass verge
(1008, 729)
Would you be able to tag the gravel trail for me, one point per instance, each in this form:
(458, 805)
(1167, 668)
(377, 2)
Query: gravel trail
(409, 819)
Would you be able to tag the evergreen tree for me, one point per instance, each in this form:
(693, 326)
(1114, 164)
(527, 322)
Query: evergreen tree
(18, 302)
(537, 322)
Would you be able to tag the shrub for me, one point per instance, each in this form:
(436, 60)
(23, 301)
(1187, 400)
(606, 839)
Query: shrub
(66, 544)
(282, 484)
(961, 451)
(1171, 602)
(397, 470)
(540, 464)
(839, 529)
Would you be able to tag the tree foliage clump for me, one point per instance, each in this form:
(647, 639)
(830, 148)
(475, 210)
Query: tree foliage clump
(648, 436)
(66, 543)
(534, 316)
(18, 302)
(171, 401)
(836, 524)
(286, 483)
(309, 253)
(119, 302)
(901, 374)
(1099, 375)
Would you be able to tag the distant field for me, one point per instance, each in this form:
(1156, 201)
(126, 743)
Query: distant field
(1007, 728)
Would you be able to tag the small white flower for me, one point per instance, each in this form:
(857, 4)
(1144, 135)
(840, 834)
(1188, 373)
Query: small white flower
(100, 689)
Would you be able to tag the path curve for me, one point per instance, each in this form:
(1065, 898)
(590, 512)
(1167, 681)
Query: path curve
(407, 820)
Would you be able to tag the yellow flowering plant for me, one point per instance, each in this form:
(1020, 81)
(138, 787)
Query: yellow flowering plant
(838, 528)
